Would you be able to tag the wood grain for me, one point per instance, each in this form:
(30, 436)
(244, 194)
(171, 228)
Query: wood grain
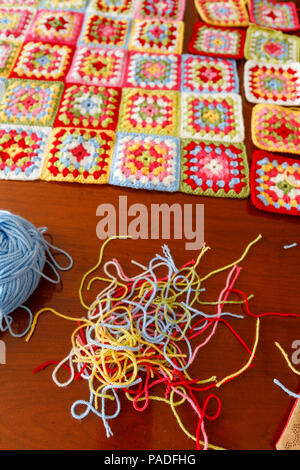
(35, 414)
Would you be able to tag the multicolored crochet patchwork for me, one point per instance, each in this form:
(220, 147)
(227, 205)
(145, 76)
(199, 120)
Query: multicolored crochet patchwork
(146, 162)
(217, 41)
(19, 3)
(39, 60)
(276, 128)
(14, 22)
(3, 82)
(208, 74)
(165, 37)
(272, 83)
(212, 117)
(98, 66)
(79, 155)
(149, 111)
(89, 107)
(152, 71)
(223, 12)
(276, 15)
(214, 169)
(61, 27)
(22, 151)
(171, 10)
(76, 5)
(30, 102)
(8, 54)
(113, 7)
(275, 183)
(105, 31)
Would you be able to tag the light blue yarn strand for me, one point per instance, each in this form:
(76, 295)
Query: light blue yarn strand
(23, 255)
(286, 390)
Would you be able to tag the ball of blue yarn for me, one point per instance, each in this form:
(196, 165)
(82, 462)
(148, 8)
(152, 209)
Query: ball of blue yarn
(23, 255)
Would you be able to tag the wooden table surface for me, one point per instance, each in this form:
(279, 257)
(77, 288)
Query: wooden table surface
(35, 413)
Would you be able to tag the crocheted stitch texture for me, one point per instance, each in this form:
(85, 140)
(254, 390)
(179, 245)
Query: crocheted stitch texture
(79, 155)
(276, 128)
(272, 83)
(141, 161)
(267, 44)
(99, 30)
(76, 5)
(214, 169)
(215, 116)
(275, 183)
(223, 12)
(22, 151)
(8, 55)
(208, 74)
(217, 41)
(156, 36)
(112, 7)
(14, 22)
(171, 10)
(276, 15)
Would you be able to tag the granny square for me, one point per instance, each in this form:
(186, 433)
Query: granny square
(146, 162)
(164, 37)
(267, 44)
(214, 169)
(171, 10)
(90, 107)
(149, 111)
(105, 31)
(152, 71)
(113, 7)
(217, 41)
(272, 83)
(98, 66)
(79, 155)
(22, 151)
(8, 54)
(61, 27)
(203, 74)
(215, 116)
(14, 22)
(223, 12)
(3, 82)
(276, 128)
(276, 15)
(275, 183)
(76, 5)
(30, 102)
(39, 60)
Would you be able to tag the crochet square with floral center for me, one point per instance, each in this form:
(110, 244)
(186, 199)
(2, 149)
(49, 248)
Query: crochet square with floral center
(61, 27)
(79, 155)
(276, 128)
(216, 116)
(98, 66)
(276, 15)
(267, 44)
(147, 111)
(105, 31)
(275, 183)
(39, 60)
(208, 74)
(223, 12)
(217, 41)
(146, 162)
(76, 5)
(14, 22)
(113, 7)
(171, 10)
(22, 151)
(152, 71)
(214, 169)
(8, 54)
(90, 107)
(163, 37)
(30, 102)
(272, 83)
